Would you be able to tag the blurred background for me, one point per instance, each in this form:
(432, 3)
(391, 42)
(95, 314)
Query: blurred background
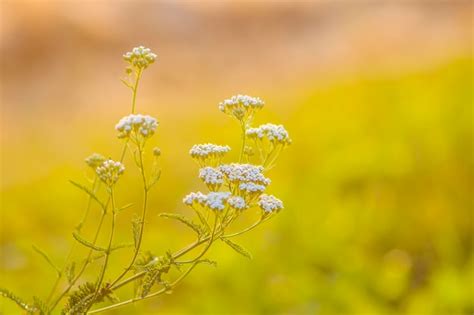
(377, 185)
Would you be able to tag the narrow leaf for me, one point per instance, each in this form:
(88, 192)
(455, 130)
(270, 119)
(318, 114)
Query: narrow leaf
(41, 306)
(19, 301)
(90, 193)
(70, 272)
(183, 219)
(124, 207)
(119, 246)
(237, 248)
(136, 229)
(87, 243)
(47, 258)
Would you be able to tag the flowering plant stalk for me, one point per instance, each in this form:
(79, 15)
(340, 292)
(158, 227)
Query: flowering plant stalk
(233, 189)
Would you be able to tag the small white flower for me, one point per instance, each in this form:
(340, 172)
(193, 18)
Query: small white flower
(251, 187)
(274, 133)
(143, 125)
(95, 160)
(211, 176)
(208, 153)
(237, 202)
(140, 57)
(216, 200)
(241, 106)
(109, 171)
(239, 173)
(193, 197)
(269, 203)
(208, 149)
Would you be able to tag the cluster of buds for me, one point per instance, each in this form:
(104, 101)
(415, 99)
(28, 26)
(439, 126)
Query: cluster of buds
(212, 177)
(270, 204)
(140, 57)
(208, 153)
(109, 171)
(276, 134)
(136, 127)
(95, 160)
(241, 107)
(215, 201)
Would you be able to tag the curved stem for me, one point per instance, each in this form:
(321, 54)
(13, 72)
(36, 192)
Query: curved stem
(135, 88)
(142, 219)
(109, 246)
(84, 266)
(211, 240)
(162, 291)
(248, 228)
(244, 138)
(73, 247)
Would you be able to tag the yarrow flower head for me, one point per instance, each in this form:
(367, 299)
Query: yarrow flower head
(237, 203)
(217, 200)
(212, 177)
(208, 153)
(251, 187)
(276, 134)
(212, 201)
(109, 171)
(240, 106)
(95, 160)
(136, 125)
(140, 57)
(269, 203)
(195, 198)
(243, 173)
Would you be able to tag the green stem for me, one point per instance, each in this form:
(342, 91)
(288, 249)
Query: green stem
(162, 291)
(135, 88)
(244, 137)
(84, 266)
(109, 246)
(142, 219)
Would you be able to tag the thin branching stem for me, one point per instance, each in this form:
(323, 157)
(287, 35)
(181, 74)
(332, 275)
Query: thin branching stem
(73, 247)
(109, 246)
(243, 125)
(142, 219)
(157, 293)
(135, 88)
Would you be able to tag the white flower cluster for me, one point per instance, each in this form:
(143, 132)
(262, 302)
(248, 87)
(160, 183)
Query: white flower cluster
(216, 200)
(213, 200)
(211, 176)
(274, 133)
(143, 125)
(251, 187)
(269, 203)
(195, 198)
(109, 171)
(140, 57)
(237, 202)
(243, 173)
(241, 105)
(95, 160)
(208, 152)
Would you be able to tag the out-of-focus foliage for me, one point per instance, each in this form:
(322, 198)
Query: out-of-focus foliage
(377, 188)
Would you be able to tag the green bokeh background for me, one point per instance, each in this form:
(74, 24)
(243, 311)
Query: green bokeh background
(377, 187)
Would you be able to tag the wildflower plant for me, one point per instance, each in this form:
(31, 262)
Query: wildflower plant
(233, 189)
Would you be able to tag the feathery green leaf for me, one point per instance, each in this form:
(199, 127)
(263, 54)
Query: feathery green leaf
(90, 193)
(86, 243)
(197, 228)
(47, 258)
(237, 248)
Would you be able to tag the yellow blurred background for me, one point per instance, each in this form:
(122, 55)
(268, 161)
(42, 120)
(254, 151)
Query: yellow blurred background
(377, 185)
